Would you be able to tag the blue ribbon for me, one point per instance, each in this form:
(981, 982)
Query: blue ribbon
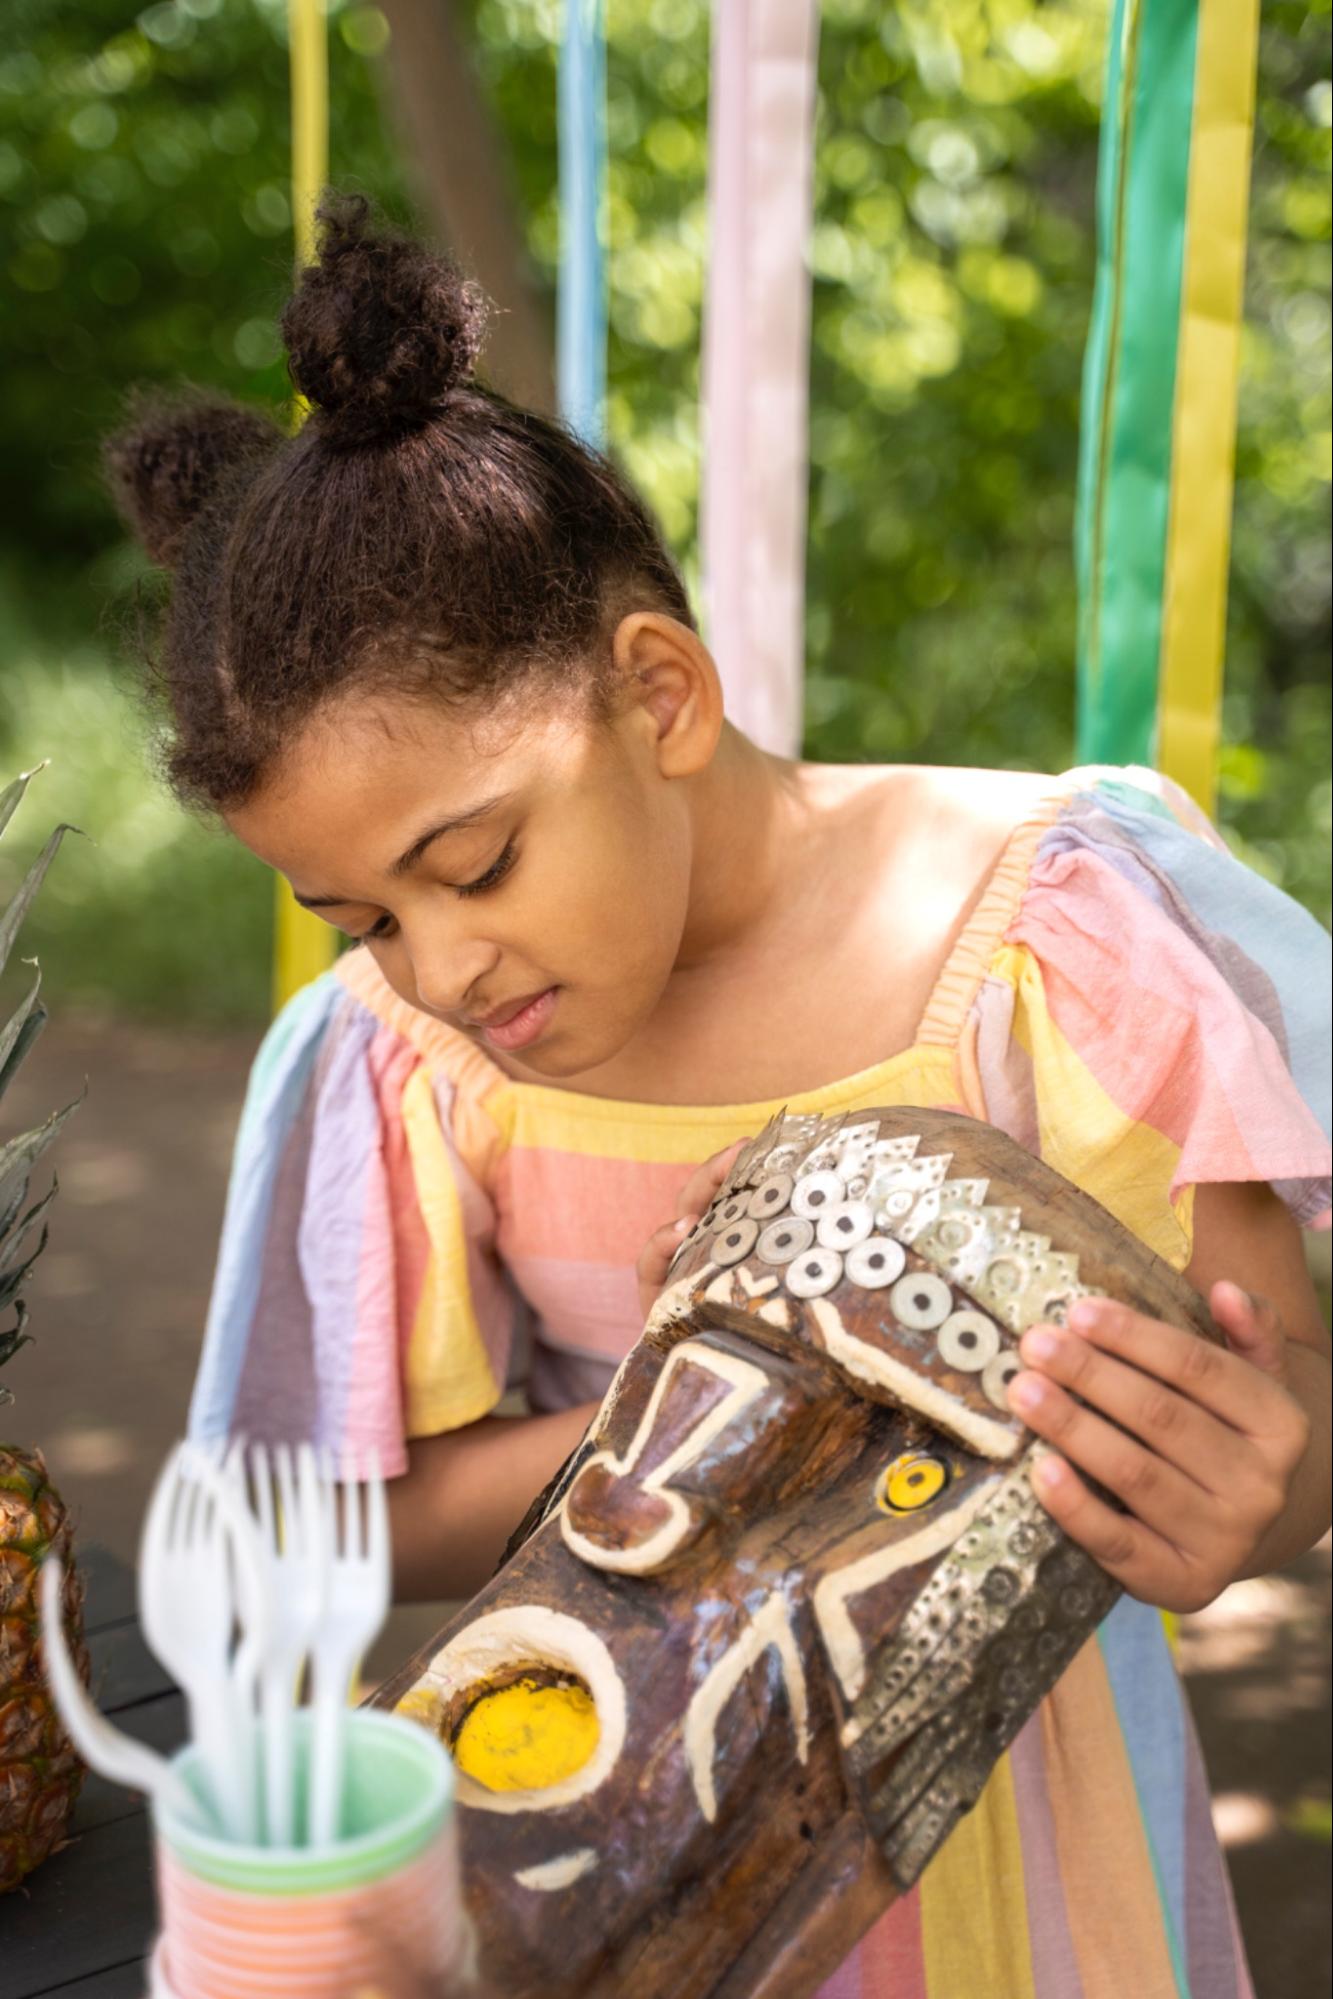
(581, 294)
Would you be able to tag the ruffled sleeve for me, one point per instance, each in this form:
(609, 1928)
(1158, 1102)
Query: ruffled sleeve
(358, 1300)
(1154, 1017)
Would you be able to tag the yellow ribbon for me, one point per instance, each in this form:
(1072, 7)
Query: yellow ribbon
(303, 946)
(1204, 426)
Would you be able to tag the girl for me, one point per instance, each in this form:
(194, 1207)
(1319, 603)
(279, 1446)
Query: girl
(430, 660)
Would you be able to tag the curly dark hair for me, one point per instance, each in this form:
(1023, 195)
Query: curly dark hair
(419, 532)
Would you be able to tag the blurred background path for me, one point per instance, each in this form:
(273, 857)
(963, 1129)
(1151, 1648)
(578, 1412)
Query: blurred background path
(118, 1302)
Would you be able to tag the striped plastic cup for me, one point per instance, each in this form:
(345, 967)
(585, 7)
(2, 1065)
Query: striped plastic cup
(256, 1922)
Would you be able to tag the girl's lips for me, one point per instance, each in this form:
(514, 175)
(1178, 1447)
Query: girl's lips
(521, 1029)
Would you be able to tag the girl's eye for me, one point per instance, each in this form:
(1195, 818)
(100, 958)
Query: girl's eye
(493, 876)
(376, 931)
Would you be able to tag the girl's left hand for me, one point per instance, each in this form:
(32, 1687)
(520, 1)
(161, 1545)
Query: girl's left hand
(696, 1194)
(1202, 1444)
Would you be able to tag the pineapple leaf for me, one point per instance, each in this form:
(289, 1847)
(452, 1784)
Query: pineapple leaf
(18, 1158)
(19, 1155)
(14, 1025)
(18, 908)
(10, 1252)
(18, 1037)
(13, 1281)
(11, 1339)
(12, 795)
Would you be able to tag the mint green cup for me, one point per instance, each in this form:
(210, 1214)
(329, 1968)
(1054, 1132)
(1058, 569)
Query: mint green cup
(398, 1796)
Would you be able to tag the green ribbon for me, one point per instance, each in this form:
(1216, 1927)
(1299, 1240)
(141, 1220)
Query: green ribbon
(1129, 377)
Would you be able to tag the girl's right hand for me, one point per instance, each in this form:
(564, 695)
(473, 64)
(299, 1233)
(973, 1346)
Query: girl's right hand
(698, 1191)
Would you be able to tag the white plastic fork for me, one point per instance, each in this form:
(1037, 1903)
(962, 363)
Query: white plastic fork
(199, 1552)
(102, 1746)
(358, 1599)
(297, 1547)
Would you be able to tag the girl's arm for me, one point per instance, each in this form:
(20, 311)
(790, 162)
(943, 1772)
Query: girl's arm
(464, 1493)
(1220, 1456)
(1282, 1333)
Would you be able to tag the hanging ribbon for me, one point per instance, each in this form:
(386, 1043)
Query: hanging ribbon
(1157, 447)
(581, 290)
(303, 947)
(756, 359)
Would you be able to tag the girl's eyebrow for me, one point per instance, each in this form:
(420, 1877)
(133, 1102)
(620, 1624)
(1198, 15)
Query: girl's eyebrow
(408, 860)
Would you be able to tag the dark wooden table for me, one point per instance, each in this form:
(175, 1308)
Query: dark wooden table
(82, 1926)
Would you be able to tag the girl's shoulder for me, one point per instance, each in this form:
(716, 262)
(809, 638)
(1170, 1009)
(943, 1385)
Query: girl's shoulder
(972, 819)
(996, 835)
(1147, 1011)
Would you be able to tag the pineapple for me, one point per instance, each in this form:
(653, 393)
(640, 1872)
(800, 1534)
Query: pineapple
(39, 1772)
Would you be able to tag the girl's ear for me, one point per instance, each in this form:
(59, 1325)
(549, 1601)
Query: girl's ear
(668, 683)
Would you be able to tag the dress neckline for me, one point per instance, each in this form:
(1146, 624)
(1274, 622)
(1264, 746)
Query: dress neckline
(938, 1032)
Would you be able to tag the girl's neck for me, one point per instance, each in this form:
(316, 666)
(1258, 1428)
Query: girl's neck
(749, 811)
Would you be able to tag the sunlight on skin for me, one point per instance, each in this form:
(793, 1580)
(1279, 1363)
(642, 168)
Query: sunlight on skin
(649, 877)
(596, 823)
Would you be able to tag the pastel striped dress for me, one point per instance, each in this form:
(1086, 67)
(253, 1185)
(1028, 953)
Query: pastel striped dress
(408, 1230)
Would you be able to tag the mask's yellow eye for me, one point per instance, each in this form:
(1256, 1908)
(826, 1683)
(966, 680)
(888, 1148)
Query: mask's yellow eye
(527, 1737)
(911, 1481)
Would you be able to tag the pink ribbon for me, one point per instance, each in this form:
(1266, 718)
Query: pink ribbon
(756, 359)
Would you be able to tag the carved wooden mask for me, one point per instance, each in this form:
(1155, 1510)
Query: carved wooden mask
(795, 1581)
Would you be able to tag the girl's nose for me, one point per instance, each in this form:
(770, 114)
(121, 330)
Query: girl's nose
(447, 971)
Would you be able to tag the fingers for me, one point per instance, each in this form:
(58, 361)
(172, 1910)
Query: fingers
(655, 1258)
(1170, 1501)
(705, 1180)
(1252, 1327)
(1140, 1560)
(1196, 1443)
(1203, 1375)
(1175, 1428)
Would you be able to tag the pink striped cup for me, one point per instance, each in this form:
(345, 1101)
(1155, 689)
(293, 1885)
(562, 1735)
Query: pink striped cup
(254, 1922)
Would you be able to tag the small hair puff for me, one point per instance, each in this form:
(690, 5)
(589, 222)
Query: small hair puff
(379, 330)
(171, 456)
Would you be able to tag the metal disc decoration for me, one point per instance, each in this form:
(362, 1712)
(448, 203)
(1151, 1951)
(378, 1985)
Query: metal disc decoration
(754, 1653)
(1157, 443)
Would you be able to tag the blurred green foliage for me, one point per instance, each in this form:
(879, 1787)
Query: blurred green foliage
(145, 228)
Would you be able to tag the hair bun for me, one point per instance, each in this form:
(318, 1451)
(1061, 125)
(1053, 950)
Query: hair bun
(379, 330)
(170, 457)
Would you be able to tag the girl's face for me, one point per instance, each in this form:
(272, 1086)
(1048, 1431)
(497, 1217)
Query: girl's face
(526, 880)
